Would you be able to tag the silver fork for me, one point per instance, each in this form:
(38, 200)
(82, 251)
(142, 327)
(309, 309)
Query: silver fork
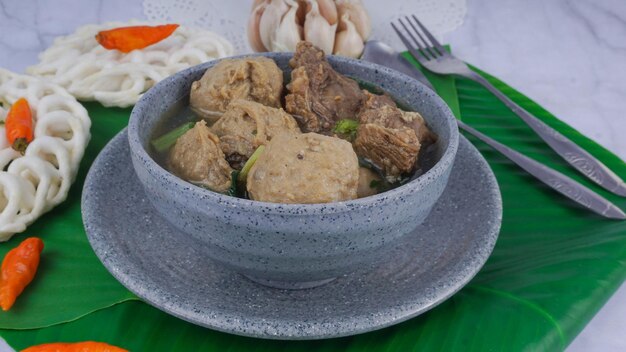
(432, 55)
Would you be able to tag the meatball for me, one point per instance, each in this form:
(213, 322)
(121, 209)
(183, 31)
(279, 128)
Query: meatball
(246, 125)
(305, 168)
(196, 157)
(368, 181)
(255, 79)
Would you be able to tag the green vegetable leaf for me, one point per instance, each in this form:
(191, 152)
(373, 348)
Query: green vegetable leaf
(380, 185)
(233, 191)
(243, 175)
(166, 141)
(346, 127)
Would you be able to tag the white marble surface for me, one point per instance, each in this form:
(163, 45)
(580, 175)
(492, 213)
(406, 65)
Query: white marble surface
(568, 55)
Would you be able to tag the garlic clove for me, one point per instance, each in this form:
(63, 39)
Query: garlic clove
(254, 36)
(328, 9)
(348, 42)
(317, 30)
(288, 33)
(270, 20)
(358, 16)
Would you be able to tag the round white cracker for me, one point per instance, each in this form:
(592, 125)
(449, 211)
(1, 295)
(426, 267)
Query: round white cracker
(90, 72)
(33, 183)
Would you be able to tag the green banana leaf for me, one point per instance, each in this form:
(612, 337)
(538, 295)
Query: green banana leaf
(553, 267)
(70, 281)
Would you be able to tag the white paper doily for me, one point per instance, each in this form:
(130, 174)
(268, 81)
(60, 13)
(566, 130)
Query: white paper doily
(229, 18)
(439, 16)
(33, 183)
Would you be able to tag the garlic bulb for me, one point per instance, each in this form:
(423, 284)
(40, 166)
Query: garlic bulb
(349, 42)
(335, 26)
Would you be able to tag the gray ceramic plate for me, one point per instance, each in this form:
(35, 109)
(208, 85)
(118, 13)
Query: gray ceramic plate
(163, 267)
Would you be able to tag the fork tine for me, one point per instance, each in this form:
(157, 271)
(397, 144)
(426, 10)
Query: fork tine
(422, 47)
(417, 54)
(427, 46)
(432, 38)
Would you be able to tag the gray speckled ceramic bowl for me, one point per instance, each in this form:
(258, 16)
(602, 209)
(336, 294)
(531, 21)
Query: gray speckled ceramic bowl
(294, 245)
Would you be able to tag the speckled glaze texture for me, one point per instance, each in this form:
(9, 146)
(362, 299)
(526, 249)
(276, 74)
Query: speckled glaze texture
(293, 245)
(171, 271)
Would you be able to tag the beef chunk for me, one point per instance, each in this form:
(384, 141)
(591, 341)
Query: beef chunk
(375, 101)
(394, 151)
(415, 121)
(318, 95)
(382, 110)
(389, 137)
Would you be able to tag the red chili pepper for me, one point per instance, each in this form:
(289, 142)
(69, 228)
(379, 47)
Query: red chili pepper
(127, 39)
(19, 125)
(87, 346)
(18, 270)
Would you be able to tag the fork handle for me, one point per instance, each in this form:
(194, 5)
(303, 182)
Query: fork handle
(580, 159)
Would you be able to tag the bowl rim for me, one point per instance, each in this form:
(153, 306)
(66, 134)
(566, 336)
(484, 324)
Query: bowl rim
(139, 153)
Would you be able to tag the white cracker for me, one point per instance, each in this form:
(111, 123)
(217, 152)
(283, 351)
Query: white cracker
(90, 72)
(33, 183)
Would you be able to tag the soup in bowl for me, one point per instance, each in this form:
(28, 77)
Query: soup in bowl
(271, 184)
